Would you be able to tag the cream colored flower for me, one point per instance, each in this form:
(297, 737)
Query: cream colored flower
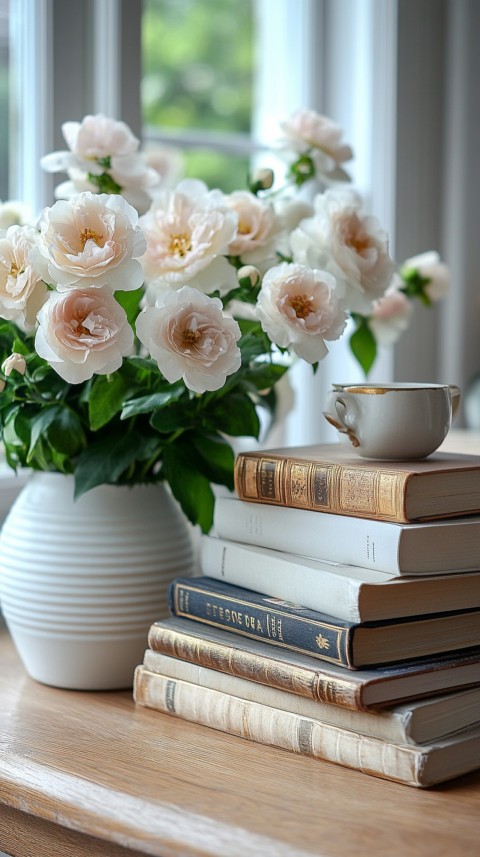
(391, 315)
(83, 333)
(91, 241)
(307, 131)
(342, 239)
(190, 337)
(186, 230)
(298, 309)
(94, 138)
(15, 363)
(100, 145)
(429, 266)
(22, 291)
(13, 212)
(256, 226)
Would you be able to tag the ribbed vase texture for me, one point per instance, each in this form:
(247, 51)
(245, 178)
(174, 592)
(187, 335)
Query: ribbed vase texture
(82, 581)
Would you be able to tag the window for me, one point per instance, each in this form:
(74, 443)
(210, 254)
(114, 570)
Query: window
(4, 100)
(197, 84)
(414, 122)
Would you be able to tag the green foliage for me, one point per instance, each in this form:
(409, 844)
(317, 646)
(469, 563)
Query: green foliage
(363, 344)
(198, 71)
(134, 426)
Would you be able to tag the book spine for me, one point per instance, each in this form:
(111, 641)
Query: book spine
(387, 725)
(335, 538)
(251, 616)
(310, 683)
(284, 729)
(322, 486)
(315, 588)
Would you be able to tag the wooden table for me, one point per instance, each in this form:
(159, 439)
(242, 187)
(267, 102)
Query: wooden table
(90, 774)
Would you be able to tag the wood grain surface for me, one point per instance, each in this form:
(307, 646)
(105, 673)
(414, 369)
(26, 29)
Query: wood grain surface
(129, 778)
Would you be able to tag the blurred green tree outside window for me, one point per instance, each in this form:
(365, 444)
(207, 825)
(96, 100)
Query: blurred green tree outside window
(197, 83)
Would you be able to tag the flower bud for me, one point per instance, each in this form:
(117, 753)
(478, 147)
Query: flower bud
(261, 179)
(14, 362)
(248, 276)
(303, 170)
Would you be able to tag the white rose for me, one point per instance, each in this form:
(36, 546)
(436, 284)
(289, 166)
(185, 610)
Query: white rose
(79, 182)
(22, 291)
(256, 225)
(99, 137)
(342, 239)
(298, 309)
(100, 145)
(16, 362)
(391, 315)
(190, 337)
(95, 138)
(429, 266)
(186, 230)
(91, 241)
(82, 333)
(308, 131)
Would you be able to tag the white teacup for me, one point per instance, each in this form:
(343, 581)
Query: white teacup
(393, 421)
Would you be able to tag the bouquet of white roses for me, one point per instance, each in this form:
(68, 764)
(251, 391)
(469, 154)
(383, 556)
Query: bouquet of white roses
(135, 346)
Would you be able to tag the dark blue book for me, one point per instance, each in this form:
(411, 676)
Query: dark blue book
(298, 629)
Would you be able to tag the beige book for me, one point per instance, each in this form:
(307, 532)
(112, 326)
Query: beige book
(411, 765)
(418, 722)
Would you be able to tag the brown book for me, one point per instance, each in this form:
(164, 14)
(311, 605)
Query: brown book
(331, 478)
(306, 676)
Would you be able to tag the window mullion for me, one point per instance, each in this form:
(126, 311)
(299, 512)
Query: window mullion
(31, 41)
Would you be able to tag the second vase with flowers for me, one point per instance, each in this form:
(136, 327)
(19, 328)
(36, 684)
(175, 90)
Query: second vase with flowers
(134, 347)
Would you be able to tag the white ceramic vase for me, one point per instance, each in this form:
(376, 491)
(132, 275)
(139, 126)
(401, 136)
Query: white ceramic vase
(82, 581)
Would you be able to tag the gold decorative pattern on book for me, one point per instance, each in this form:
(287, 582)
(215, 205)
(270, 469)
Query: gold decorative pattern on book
(367, 492)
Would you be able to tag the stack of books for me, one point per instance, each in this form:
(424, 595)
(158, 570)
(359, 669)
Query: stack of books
(337, 615)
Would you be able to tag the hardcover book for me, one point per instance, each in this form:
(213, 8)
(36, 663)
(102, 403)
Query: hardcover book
(330, 478)
(412, 765)
(306, 676)
(417, 722)
(349, 592)
(292, 626)
(433, 547)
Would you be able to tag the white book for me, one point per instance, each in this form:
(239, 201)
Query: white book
(413, 765)
(433, 547)
(344, 591)
(418, 722)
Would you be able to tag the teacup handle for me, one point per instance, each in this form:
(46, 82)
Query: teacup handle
(341, 413)
(455, 397)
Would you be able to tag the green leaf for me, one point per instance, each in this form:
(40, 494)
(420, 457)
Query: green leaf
(106, 399)
(216, 458)
(236, 415)
(65, 433)
(364, 347)
(173, 418)
(146, 404)
(106, 460)
(264, 375)
(39, 425)
(130, 301)
(190, 487)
